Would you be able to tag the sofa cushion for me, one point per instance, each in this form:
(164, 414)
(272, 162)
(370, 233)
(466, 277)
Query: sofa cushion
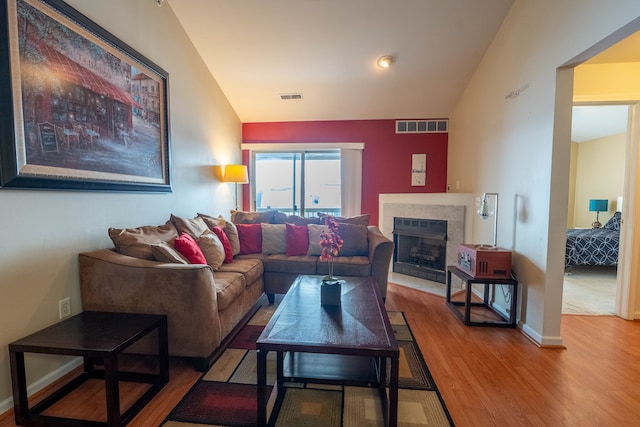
(274, 239)
(346, 266)
(355, 240)
(165, 252)
(357, 219)
(229, 286)
(226, 244)
(251, 268)
(250, 236)
(192, 226)
(314, 238)
(242, 217)
(291, 264)
(297, 239)
(136, 242)
(212, 249)
(187, 246)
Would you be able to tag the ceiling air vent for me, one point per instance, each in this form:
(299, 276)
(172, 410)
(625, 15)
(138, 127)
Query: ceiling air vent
(290, 96)
(422, 126)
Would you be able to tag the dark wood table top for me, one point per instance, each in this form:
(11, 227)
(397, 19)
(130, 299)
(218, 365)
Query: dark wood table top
(359, 326)
(89, 332)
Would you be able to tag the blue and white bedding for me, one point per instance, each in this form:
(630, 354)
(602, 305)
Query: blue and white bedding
(597, 246)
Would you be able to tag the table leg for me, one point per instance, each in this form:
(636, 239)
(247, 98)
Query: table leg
(163, 351)
(514, 302)
(467, 303)
(19, 382)
(262, 386)
(113, 391)
(393, 393)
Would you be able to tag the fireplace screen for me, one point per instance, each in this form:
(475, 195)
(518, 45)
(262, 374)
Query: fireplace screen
(420, 248)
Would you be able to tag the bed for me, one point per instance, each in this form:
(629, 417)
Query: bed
(596, 246)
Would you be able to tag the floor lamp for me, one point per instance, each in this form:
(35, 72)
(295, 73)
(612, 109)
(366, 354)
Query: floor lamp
(237, 174)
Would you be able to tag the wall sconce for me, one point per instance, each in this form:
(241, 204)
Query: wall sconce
(485, 211)
(159, 2)
(237, 174)
(386, 62)
(597, 206)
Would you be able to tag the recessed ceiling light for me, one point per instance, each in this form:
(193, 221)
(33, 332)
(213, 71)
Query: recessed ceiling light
(386, 61)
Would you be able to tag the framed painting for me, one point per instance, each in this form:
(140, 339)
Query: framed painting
(79, 109)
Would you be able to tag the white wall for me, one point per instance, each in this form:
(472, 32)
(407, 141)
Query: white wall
(43, 232)
(502, 135)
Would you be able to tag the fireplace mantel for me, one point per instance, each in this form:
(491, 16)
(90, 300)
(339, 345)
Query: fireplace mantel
(456, 208)
(416, 202)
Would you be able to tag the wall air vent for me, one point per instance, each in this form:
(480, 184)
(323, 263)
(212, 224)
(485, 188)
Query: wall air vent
(422, 126)
(290, 96)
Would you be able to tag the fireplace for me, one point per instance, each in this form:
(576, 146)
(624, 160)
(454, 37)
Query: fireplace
(420, 248)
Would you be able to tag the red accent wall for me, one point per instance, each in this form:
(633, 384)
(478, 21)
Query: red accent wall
(386, 159)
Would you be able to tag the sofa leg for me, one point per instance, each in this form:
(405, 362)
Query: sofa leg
(271, 298)
(201, 363)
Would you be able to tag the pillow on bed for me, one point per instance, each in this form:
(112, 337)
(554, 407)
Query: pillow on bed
(614, 222)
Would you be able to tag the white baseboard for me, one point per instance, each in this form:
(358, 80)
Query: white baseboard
(540, 340)
(43, 382)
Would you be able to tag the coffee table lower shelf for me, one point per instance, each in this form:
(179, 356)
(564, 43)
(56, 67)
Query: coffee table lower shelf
(332, 369)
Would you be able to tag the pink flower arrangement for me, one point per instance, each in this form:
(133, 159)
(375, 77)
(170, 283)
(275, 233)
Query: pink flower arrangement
(331, 242)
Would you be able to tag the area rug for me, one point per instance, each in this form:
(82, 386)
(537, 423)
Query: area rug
(226, 394)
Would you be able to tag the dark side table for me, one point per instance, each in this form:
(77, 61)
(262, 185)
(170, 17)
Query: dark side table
(96, 336)
(491, 316)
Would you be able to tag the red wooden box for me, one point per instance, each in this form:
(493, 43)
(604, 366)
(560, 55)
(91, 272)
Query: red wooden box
(484, 261)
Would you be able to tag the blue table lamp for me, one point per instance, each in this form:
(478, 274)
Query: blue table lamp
(598, 205)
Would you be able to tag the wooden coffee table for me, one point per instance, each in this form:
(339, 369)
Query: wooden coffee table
(348, 345)
(96, 336)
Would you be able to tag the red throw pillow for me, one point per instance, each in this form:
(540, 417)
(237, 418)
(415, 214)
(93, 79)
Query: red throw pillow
(226, 244)
(189, 249)
(297, 239)
(250, 236)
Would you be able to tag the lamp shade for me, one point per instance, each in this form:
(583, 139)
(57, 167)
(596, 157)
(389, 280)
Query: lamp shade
(236, 173)
(597, 205)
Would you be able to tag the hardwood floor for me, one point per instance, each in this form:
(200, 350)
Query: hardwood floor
(487, 376)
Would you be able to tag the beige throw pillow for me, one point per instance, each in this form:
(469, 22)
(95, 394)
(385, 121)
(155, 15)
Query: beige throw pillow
(163, 252)
(212, 249)
(228, 227)
(274, 238)
(314, 238)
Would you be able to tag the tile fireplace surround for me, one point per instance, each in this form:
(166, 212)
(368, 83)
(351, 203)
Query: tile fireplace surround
(456, 208)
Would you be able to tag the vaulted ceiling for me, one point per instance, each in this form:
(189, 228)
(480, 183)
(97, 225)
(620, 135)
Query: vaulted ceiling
(327, 50)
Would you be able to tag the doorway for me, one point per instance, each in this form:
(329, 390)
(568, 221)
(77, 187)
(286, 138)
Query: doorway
(598, 78)
(591, 282)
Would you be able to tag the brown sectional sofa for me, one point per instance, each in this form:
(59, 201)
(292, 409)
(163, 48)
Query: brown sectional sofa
(204, 302)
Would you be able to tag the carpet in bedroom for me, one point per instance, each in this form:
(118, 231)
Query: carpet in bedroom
(589, 290)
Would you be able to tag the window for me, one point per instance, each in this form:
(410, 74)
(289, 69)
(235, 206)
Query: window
(298, 182)
(335, 168)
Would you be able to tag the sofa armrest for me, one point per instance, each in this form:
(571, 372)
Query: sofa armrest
(110, 281)
(380, 253)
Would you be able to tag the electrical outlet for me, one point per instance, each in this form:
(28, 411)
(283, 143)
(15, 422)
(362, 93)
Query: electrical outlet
(64, 307)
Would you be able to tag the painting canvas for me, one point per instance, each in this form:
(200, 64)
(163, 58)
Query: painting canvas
(87, 111)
